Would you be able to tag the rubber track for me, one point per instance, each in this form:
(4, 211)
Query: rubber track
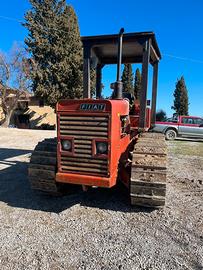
(42, 167)
(148, 171)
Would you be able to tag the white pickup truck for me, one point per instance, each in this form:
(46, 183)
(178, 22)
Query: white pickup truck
(182, 126)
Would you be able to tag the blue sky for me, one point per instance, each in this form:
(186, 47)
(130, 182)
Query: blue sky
(178, 26)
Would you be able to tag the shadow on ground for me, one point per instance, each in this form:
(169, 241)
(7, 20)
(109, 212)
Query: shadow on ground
(15, 189)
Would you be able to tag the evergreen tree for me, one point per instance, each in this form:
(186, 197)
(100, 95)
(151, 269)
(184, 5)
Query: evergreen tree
(127, 78)
(161, 116)
(180, 98)
(56, 50)
(93, 82)
(137, 85)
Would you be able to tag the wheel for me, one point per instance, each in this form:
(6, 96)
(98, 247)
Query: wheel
(170, 134)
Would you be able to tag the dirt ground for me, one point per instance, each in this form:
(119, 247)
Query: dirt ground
(98, 229)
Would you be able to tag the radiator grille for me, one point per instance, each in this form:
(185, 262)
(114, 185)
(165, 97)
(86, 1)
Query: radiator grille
(84, 129)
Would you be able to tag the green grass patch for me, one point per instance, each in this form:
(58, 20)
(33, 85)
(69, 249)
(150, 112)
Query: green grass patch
(190, 148)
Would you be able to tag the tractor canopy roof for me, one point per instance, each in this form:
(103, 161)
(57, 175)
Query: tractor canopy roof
(105, 47)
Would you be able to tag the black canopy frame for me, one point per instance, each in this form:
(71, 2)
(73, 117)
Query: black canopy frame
(139, 47)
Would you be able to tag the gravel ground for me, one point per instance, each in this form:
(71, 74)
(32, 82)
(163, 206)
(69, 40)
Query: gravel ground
(98, 229)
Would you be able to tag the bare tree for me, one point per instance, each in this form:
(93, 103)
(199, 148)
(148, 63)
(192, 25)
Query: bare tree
(13, 75)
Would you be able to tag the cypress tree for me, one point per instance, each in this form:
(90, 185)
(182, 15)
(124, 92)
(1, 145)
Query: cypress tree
(127, 79)
(56, 50)
(180, 98)
(137, 84)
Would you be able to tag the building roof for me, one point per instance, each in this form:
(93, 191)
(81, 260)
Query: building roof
(105, 47)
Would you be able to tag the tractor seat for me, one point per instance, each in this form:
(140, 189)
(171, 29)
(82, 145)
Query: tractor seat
(131, 99)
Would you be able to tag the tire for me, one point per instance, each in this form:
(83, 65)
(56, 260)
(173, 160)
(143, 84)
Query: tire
(170, 134)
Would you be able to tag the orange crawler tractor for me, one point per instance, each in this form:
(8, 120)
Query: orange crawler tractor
(100, 142)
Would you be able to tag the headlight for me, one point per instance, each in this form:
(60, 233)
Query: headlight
(102, 148)
(66, 145)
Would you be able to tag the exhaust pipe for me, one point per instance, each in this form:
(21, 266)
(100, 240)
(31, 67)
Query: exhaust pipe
(118, 85)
